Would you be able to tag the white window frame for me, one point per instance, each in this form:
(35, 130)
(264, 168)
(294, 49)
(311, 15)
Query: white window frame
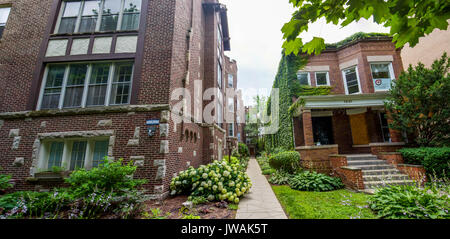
(327, 76)
(86, 84)
(307, 73)
(3, 24)
(44, 152)
(99, 17)
(345, 80)
(391, 72)
(230, 77)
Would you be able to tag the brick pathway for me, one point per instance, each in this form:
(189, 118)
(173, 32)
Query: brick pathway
(260, 202)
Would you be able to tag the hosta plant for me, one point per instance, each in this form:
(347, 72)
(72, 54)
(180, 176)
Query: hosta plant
(412, 202)
(280, 178)
(218, 181)
(312, 181)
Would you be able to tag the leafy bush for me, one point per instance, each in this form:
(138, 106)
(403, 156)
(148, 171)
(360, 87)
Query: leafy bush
(280, 178)
(435, 160)
(215, 181)
(419, 105)
(411, 202)
(107, 177)
(4, 182)
(285, 161)
(312, 181)
(265, 167)
(243, 150)
(108, 190)
(232, 160)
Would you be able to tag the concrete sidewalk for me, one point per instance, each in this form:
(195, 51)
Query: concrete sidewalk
(260, 202)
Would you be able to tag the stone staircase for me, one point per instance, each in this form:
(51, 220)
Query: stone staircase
(377, 173)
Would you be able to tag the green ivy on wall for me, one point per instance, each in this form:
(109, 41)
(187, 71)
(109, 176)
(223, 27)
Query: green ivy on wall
(286, 81)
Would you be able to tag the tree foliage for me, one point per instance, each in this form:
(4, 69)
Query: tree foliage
(408, 19)
(419, 103)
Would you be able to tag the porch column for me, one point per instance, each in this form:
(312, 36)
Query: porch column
(396, 136)
(308, 128)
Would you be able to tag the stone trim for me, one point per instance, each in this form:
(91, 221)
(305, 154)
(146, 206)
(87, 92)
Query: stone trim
(85, 111)
(387, 144)
(361, 146)
(315, 68)
(317, 147)
(62, 135)
(385, 58)
(348, 64)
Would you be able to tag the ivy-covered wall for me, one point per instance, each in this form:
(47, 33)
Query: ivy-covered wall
(286, 81)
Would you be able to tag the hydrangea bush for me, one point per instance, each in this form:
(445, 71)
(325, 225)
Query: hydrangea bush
(218, 181)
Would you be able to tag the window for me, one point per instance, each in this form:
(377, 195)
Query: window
(303, 78)
(351, 80)
(384, 127)
(230, 105)
(4, 14)
(219, 75)
(382, 75)
(230, 81)
(219, 108)
(231, 130)
(80, 85)
(72, 154)
(322, 79)
(98, 16)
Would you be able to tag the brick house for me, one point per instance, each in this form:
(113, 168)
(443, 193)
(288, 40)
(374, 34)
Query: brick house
(351, 121)
(85, 79)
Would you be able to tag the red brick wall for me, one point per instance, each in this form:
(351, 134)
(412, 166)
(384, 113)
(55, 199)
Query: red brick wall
(317, 158)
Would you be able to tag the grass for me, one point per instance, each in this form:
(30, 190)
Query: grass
(340, 204)
(233, 206)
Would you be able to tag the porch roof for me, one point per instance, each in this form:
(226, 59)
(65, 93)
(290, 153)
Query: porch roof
(341, 101)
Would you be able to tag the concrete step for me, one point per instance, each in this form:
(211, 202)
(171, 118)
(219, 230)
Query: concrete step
(385, 178)
(361, 157)
(381, 172)
(366, 162)
(377, 184)
(374, 167)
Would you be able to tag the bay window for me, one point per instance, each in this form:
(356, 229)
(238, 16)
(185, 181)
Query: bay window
(351, 80)
(4, 14)
(382, 75)
(72, 154)
(98, 16)
(80, 85)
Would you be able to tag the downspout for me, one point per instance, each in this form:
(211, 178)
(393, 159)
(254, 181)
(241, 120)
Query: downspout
(188, 57)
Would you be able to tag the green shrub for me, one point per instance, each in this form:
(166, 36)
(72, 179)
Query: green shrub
(312, 181)
(435, 160)
(215, 181)
(280, 178)
(411, 202)
(243, 150)
(232, 161)
(285, 161)
(4, 182)
(108, 177)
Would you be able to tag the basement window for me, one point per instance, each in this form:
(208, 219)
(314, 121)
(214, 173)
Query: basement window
(72, 154)
(4, 14)
(80, 85)
(98, 16)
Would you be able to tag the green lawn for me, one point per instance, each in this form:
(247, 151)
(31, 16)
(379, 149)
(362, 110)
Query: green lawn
(340, 204)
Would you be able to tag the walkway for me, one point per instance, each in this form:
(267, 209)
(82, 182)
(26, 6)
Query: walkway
(260, 202)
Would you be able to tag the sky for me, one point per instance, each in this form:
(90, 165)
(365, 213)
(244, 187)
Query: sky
(256, 40)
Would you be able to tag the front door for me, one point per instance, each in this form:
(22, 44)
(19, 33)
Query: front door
(323, 130)
(360, 134)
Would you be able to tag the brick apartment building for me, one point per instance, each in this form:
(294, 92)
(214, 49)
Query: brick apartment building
(85, 79)
(352, 119)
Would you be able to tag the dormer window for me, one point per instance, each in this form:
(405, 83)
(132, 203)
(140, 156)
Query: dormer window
(98, 16)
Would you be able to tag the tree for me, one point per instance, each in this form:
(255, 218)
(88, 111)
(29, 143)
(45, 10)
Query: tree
(419, 103)
(408, 19)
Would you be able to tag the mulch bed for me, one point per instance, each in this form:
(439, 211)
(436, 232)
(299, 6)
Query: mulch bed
(174, 206)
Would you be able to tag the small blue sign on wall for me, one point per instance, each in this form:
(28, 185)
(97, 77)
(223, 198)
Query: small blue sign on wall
(152, 122)
(382, 84)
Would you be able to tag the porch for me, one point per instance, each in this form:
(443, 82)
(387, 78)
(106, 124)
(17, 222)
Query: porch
(342, 124)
